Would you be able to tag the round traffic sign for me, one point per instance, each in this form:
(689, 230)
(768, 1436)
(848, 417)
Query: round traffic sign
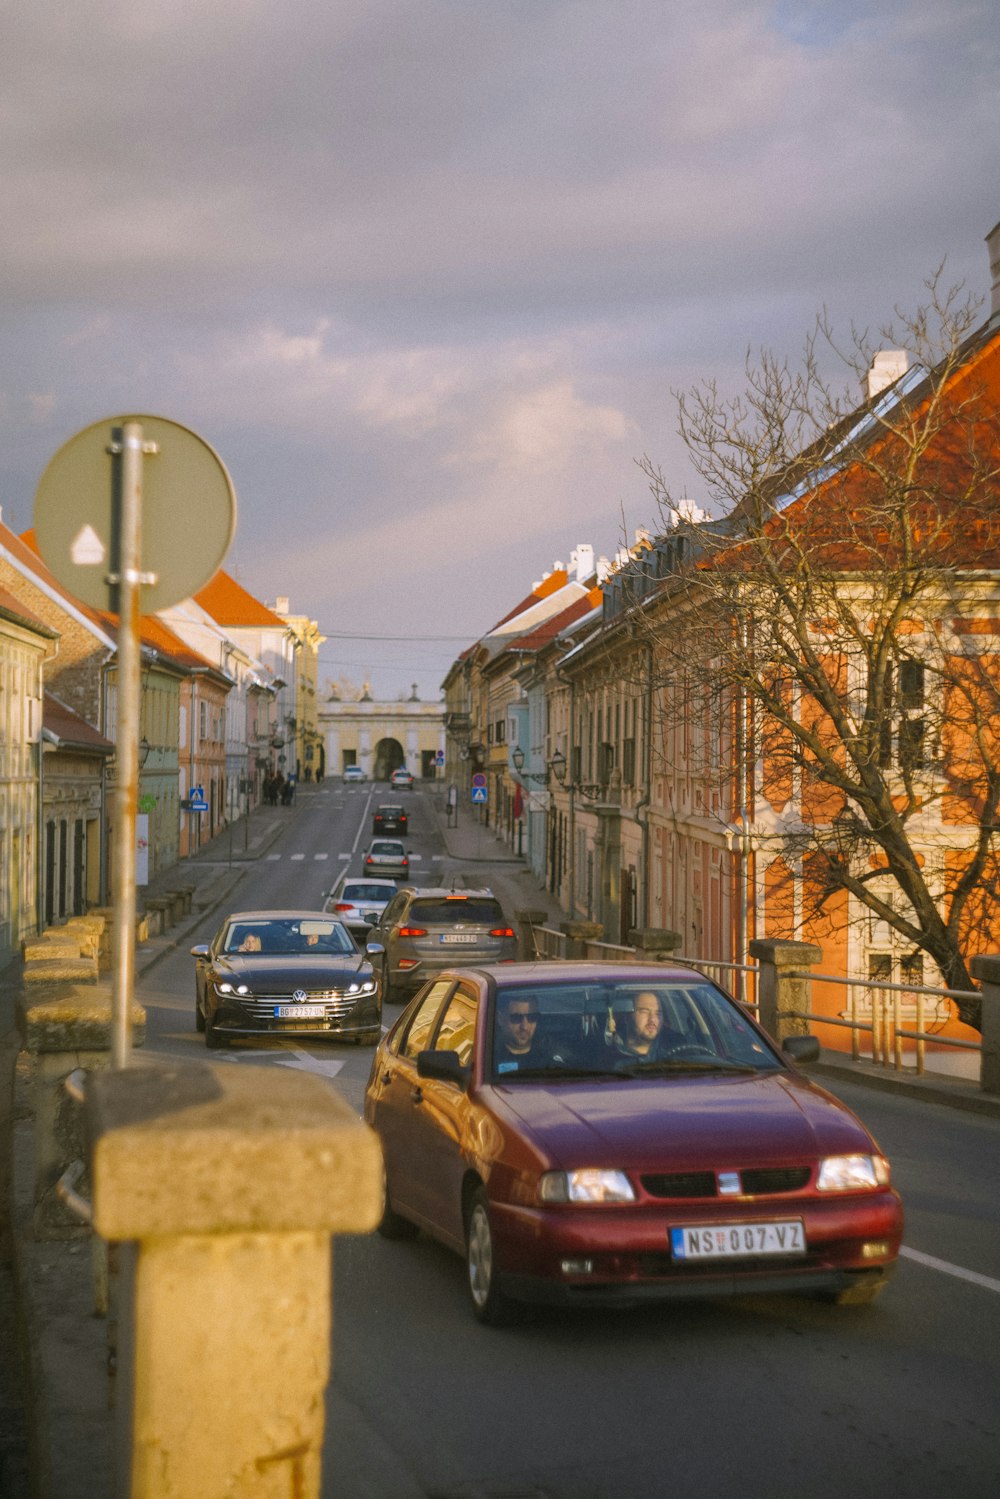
(188, 512)
(479, 779)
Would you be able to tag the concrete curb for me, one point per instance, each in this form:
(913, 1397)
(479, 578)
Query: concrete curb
(954, 1093)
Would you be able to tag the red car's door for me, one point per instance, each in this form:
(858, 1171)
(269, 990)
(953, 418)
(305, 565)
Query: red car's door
(441, 1123)
(396, 1104)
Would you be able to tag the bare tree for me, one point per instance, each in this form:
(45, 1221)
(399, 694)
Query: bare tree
(834, 621)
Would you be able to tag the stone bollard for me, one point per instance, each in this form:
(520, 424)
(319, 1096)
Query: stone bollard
(64, 1026)
(186, 893)
(578, 934)
(48, 970)
(104, 955)
(222, 1187)
(159, 912)
(986, 968)
(45, 947)
(527, 920)
(654, 942)
(777, 992)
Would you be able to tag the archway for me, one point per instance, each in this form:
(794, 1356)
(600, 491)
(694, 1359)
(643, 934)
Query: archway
(388, 757)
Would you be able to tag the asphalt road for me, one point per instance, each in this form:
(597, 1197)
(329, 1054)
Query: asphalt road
(739, 1399)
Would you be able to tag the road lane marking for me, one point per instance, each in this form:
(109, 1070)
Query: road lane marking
(343, 856)
(274, 856)
(321, 856)
(976, 1279)
(297, 857)
(309, 1063)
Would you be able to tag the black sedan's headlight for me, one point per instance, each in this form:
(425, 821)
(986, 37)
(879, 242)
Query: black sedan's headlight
(225, 988)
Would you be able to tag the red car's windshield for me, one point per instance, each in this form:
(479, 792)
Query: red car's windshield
(623, 1028)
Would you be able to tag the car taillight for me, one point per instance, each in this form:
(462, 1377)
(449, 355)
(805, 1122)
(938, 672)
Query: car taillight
(343, 906)
(502, 931)
(412, 931)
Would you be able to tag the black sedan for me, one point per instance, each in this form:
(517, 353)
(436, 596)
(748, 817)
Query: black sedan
(285, 973)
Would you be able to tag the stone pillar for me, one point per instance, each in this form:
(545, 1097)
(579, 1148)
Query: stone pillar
(222, 1186)
(777, 991)
(578, 934)
(64, 1026)
(986, 968)
(654, 942)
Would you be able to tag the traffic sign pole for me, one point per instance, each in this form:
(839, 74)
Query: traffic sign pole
(95, 506)
(128, 470)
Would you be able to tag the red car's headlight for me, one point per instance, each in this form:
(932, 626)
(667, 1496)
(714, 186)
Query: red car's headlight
(852, 1173)
(587, 1184)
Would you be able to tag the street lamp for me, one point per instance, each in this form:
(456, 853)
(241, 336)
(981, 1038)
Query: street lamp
(517, 760)
(589, 790)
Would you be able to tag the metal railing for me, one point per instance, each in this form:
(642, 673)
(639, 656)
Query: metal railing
(885, 1026)
(552, 945)
(743, 985)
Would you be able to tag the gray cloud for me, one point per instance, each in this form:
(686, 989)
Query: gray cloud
(426, 271)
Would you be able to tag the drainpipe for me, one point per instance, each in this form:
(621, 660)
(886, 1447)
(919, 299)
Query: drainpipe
(642, 805)
(570, 744)
(743, 874)
(40, 853)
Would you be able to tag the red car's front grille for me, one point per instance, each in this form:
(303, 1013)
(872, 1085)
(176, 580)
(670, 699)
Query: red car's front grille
(758, 1182)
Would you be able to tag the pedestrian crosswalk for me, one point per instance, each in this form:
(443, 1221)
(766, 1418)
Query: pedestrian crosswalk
(298, 858)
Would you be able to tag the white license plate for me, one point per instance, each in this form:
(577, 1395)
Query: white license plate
(460, 937)
(734, 1241)
(299, 1012)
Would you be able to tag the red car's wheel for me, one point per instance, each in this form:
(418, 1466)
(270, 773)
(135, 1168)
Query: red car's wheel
(489, 1303)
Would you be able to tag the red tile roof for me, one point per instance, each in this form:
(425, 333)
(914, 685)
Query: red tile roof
(12, 606)
(70, 728)
(230, 604)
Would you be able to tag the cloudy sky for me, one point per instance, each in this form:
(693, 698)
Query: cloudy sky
(426, 272)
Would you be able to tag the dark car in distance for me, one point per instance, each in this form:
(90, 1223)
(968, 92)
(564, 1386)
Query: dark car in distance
(389, 818)
(594, 1134)
(268, 973)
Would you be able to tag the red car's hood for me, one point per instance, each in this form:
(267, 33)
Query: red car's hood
(683, 1122)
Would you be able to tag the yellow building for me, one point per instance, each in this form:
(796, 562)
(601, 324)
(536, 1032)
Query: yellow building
(382, 737)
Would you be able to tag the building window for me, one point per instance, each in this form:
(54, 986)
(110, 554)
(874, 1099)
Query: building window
(628, 762)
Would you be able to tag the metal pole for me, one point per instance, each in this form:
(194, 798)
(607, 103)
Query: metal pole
(126, 744)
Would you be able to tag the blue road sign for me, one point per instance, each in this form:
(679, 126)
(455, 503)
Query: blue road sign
(479, 794)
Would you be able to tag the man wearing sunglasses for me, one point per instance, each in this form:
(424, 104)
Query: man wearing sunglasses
(517, 1043)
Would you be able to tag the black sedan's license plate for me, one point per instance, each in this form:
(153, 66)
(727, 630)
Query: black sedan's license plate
(733, 1241)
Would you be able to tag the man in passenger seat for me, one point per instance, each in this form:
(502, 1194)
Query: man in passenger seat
(642, 1039)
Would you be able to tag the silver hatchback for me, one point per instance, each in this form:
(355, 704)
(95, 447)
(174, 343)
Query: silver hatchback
(425, 930)
(388, 858)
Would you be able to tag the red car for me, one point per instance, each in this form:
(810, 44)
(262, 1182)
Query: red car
(588, 1133)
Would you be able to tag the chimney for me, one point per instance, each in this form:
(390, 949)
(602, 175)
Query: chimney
(281, 606)
(993, 245)
(887, 366)
(581, 561)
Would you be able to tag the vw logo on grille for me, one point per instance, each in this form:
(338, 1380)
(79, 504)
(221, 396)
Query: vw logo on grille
(299, 996)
